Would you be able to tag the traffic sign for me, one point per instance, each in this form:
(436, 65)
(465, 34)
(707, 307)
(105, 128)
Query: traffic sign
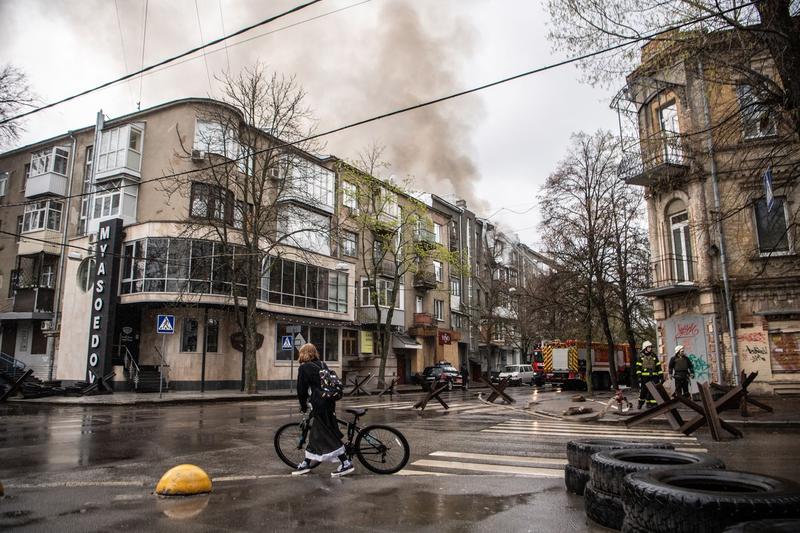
(165, 324)
(299, 340)
(287, 343)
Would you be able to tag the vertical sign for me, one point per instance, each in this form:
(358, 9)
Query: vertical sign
(768, 194)
(105, 281)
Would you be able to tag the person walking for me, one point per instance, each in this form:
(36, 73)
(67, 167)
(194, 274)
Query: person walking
(464, 376)
(325, 438)
(649, 370)
(682, 370)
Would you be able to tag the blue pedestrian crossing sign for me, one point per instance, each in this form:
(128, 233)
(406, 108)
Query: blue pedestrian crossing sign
(165, 324)
(287, 342)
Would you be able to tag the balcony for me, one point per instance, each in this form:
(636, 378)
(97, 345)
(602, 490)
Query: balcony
(425, 238)
(49, 183)
(656, 158)
(424, 325)
(33, 300)
(425, 280)
(386, 269)
(672, 274)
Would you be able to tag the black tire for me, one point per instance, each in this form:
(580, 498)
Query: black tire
(290, 444)
(579, 452)
(604, 508)
(687, 500)
(575, 479)
(608, 469)
(382, 449)
(766, 526)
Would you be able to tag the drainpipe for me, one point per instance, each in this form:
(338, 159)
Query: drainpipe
(56, 326)
(720, 234)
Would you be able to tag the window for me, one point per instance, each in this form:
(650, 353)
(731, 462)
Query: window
(418, 304)
(758, 119)
(350, 195)
(349, 244)
(457, 320)
(326, 340)
(19, 226)
(87, 169)
(107, 200)
(83, 218)
(3, 183)
(455, 286)
(383, 288)
(189, 335)
(212, 202)
(42, 215)
(212, 335)
(52, 160)
(437, 270)
(120, 148)
(310, 183)
(437, 233)
(438, 309)
(288, 282)
(670, 129)
(26, 173)
(771, 226)
(349, 343)
(304, 229)
(682, 263)
(47, 277)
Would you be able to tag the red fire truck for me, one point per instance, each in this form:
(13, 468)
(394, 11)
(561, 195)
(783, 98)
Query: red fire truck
(564, 363)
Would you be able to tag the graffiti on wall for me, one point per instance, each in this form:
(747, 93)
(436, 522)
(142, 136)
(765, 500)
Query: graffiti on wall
(702, 372)
(754, 351)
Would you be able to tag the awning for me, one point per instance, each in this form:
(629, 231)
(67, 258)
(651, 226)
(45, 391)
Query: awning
(26, 315)
(401, 341)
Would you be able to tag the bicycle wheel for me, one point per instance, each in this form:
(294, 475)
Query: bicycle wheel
(382, 449)
(290, 444)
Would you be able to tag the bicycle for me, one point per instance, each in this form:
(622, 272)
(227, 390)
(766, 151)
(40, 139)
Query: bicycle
(381, 449)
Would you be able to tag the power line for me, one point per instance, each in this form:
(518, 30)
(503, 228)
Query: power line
(205, 58)
(144, 40)
(413, 107)
(122, 42)
(160, 63)
(222, 23)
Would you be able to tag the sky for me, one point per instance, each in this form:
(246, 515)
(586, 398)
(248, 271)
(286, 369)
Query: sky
(355, 59)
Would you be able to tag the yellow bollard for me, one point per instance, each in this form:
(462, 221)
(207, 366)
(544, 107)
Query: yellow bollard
(184, 480)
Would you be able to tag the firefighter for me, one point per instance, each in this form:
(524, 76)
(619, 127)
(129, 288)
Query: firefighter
(681, 369)
(648, 369)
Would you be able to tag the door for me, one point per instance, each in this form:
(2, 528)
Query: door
(682, 248)
(9, 337)
(668, 118)
(402, 361)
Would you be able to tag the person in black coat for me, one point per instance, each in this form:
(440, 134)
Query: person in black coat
(325, 438)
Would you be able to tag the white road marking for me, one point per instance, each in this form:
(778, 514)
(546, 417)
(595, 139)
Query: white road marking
(480, 467)
(566, 433)
(510, 458)
(420, 473)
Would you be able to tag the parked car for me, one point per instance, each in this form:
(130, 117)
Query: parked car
(519, 374)
(443, 372)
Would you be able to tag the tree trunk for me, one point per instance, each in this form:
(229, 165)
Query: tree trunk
(602, 311)
(250, 334)
(589, 387)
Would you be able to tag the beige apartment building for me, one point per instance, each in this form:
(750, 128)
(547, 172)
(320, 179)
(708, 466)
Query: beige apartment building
(705, 138)
(57, 194)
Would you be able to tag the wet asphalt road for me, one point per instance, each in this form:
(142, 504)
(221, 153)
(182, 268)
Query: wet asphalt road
(78, 469)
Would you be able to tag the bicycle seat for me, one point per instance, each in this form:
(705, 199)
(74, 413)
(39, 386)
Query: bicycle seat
(357, 412)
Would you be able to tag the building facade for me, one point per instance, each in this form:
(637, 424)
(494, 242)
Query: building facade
(725, 276)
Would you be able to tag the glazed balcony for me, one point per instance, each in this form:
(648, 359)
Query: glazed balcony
(34, 300)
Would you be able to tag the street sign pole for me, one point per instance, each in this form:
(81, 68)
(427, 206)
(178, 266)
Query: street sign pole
(161, 366)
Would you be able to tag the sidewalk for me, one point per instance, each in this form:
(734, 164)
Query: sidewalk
(786, 410)
(172, 397)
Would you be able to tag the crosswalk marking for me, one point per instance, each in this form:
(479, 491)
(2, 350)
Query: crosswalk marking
(588, 429)
(570, 425)
(565, 433)
(493, 468)
(421, 473)
(509, 458)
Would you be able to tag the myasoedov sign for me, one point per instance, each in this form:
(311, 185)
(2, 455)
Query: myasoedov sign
(105, 281)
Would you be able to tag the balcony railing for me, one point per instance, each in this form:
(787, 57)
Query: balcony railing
(423, 319)
(425, 279)
(425, 237)
(386, 268)
(672, 274)
(33, 300)
(654, 158)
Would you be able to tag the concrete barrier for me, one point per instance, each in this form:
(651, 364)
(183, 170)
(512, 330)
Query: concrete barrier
(184, 480)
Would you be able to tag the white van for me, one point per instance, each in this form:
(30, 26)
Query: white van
(518, 374)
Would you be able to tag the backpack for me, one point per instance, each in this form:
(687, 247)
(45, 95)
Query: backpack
(331, 387)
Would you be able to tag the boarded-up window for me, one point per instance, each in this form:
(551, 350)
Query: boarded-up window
(785, 350)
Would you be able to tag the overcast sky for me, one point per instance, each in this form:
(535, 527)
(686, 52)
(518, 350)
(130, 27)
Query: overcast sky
(494, 148)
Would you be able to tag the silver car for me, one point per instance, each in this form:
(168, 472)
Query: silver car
(518, 374)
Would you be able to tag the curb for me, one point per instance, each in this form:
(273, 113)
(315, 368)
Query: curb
(165, 401)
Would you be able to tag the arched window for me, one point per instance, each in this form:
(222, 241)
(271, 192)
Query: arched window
(682, 259)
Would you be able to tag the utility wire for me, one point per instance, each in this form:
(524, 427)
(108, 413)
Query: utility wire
(222, 23)
(160, 63)
(413, 107)
(205, 58)
(144, 40)
(122, 43)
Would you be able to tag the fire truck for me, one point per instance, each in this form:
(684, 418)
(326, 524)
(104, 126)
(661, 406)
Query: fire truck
(564, 363)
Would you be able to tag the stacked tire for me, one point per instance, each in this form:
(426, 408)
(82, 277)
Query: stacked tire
(579, 455)
(603, 493)
(713, 501)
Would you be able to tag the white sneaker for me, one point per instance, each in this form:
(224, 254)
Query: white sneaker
(344, 469)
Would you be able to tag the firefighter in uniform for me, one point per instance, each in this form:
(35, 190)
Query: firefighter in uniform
(681, 369)
(648, 369)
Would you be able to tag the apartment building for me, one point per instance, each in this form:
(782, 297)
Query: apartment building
(725, 276)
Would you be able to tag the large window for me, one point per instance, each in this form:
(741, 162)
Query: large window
(288, 282)
(212, 335)
(773, 236)
(682, 259)
(455, 286)
(383, 287)
(326, 340)
(212, 202)
(189, 335)
(42, 215)
(758, 119)
(52, 160)
(120, 148)
(310, 183)
(349, 343)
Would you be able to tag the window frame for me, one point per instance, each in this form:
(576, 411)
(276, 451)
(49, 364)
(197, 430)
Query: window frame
(42, 212)
(786, 229)
(346, 239)
(752, 111)
(187, 337)
(4, 177)
(350, 195)
(438, 310)
(438, 271)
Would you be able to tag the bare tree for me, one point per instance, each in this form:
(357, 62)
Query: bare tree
(15, 94)
(395, 236)
(255, 166)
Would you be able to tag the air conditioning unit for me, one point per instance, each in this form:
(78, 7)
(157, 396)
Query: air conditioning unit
(198, 155)
(275, 172)
(45, 325)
